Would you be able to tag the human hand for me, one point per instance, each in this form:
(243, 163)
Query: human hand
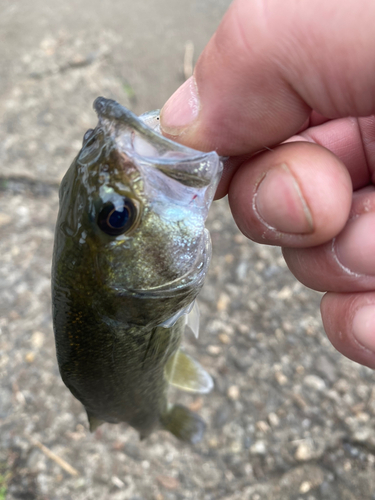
(301, 74)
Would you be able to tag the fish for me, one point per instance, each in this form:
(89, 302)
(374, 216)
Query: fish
(131, 253)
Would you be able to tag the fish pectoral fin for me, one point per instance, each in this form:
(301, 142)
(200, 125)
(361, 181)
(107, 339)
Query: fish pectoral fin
(94, 422)
(192, 319)
(186, 374)
(184, 424)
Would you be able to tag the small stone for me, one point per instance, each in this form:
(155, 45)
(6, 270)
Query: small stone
(363, 417)
(223, 302)
(326, 367)
(5, 219)
(347, 466)
(363, 435)
(168, 482)
(258, 448)
(314, 382)
(233, 392)
(241, 270)
(273, 419)
(300, 401)
(304, 452)
(285, 293)
(196, 405)
(279, 334)
(213, 443)
(116, 481)
(240, 238)
(14, 315)
(37, 339)
(305, 487)
(224, 338)
(263, 426)
(229, 258)
(215, 350)
(30, 357)
(281, 378)
(244, 329)
(236, 447)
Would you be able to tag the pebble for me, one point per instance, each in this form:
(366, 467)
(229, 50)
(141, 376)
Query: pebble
(314, 382)
(305, 487)
(258, 448)
(233, 392)
(5, 219)
(273, 419)
(196, 405)
(285, 293)
(229, 258)
(224, 338)
(30, 357)
(215, 350)
(116, 481)
(263, 426)
(281, 378)
(37, 339)
(223, 302)
(304, 452)
(168, 482)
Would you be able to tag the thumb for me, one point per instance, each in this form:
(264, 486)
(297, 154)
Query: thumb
(267, 66)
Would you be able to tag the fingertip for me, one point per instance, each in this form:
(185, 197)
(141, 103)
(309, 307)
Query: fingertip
(349, 321)
(297, 195)
(181, 109)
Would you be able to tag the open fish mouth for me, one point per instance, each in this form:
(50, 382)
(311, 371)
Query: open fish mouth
(140, 138)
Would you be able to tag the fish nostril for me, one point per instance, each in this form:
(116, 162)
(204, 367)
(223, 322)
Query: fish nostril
(88, 134)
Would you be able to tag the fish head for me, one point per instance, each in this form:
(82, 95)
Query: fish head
(135, 203)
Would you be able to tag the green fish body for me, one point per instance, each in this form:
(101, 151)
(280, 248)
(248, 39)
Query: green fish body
(130, 256)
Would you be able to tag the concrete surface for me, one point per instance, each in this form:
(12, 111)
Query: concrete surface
(289, 418)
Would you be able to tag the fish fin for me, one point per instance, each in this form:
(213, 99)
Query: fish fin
(184, 424)
(185, 311)
(186, 374)
(192, 320)
(94, 422)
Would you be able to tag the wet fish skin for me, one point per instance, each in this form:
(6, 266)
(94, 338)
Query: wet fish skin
(111, 293)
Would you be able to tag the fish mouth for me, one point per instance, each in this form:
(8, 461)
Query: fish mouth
(194, 278)
(141, 140)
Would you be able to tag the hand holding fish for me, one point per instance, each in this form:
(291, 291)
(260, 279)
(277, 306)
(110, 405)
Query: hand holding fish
(294, 82)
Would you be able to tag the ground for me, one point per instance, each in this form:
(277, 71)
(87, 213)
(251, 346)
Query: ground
(289, 418)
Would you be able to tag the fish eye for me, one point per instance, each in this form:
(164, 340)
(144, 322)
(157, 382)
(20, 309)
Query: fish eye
(117, 219)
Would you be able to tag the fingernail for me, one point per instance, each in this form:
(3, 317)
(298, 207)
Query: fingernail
(364, 327)
(280, 202)
(355, 246)
(181, 109)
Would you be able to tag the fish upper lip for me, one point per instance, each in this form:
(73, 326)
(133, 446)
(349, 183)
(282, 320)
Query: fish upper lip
(176, 286)
(112, 110)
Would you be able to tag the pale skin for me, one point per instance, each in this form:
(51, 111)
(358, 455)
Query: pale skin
(301, 73)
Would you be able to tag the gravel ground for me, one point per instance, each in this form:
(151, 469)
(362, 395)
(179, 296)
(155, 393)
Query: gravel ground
(289, 418)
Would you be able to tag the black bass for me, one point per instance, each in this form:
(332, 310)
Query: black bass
(131, 254)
